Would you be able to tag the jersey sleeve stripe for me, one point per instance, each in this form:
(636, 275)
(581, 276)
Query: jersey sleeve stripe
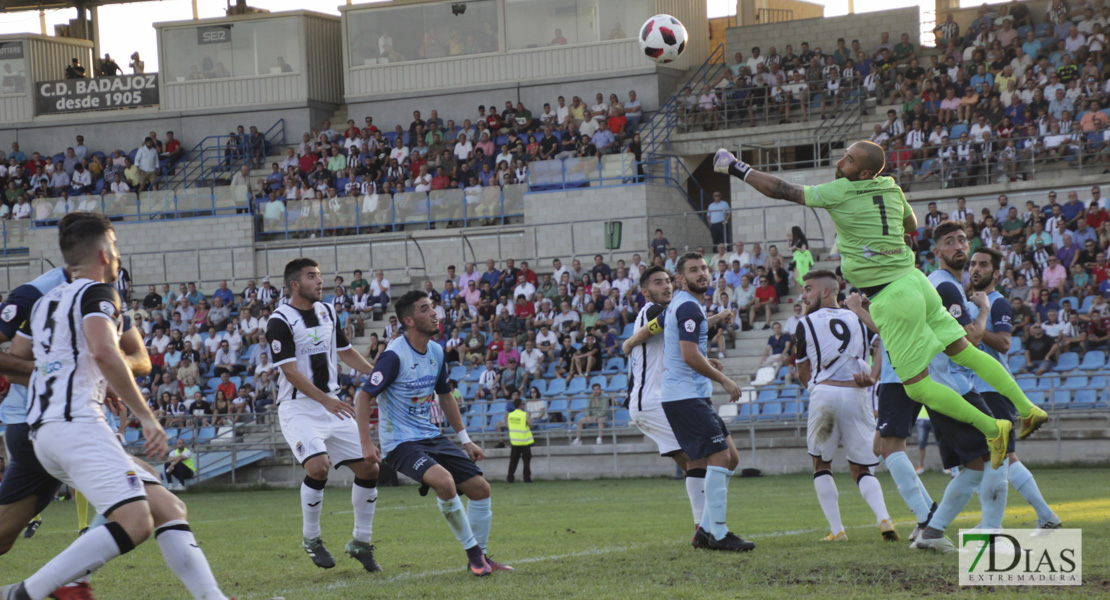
(100, 315)
(287, 360)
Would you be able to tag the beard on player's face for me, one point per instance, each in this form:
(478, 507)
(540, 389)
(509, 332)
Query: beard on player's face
(981, 282)
(957, 261)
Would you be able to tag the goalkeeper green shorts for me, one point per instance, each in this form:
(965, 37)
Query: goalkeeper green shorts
(913, 323)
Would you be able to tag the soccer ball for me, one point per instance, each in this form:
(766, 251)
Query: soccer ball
(662, 38)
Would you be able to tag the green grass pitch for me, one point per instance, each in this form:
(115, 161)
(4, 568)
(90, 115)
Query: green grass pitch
(619, 539)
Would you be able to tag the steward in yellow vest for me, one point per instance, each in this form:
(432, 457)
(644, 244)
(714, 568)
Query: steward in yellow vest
(520, 436)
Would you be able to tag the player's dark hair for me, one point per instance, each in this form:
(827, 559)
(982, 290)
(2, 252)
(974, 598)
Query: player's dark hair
(945, 228)
(679, 268)
(294, 267)
(404, 305)
(79, 232)
(996, 256)
(517, 402)
(652, 270)
(819, 274)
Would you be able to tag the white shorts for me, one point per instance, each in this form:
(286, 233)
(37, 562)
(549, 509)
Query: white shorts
(841, 416)
(88, 458)
(652, 421)
(310, 430)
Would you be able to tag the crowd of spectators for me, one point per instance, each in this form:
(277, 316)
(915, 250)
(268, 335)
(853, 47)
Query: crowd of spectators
(492, 148)
(42, 187)
(1012, 92)
(1054, 272)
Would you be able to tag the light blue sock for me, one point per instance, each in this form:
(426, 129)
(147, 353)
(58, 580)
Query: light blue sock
(481, 516)
(992, 496)
(1023, 482)
(924, 492)
(99, 519)
(716, 501)
(456, 519)
(955, 498)
(908, 484)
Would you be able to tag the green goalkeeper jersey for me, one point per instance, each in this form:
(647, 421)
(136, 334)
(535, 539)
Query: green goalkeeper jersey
(868, 216)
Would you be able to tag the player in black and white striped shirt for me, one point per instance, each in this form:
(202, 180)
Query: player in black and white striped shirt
(307, 342)
(831, 346)
(73, 335)
(645, 368)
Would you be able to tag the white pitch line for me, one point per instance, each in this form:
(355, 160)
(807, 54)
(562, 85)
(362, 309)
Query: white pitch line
(592, 552)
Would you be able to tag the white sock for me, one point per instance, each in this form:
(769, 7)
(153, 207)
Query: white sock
(364, 498)
(312, 504)
(85, 555)
(829, 499)
(695, 490)
(872, 492)
(185, 558)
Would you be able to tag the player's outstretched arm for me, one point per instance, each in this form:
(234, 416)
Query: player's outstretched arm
(101, 334)
(768, 185)
(640, 336)
(356, 361)
(722, 317)
(306, 387)
(860, 306)
(370, 451)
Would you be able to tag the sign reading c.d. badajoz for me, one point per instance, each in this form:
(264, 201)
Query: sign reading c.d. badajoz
(101, 93)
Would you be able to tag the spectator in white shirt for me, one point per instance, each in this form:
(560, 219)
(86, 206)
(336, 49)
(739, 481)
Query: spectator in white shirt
(379, 290)
(146, 159)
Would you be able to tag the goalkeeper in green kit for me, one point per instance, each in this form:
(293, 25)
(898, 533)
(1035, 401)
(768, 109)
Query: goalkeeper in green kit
(872, 215)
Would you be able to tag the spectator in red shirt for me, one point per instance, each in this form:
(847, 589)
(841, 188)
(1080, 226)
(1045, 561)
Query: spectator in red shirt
(1101, 270)
(441, 181)
(529, 274)
(524, 309)
(227, 386)
(1096, 216)
(765, 298)
(308, 162)
(493, 121)
(351, 132)
(494, 348)
(172, 149)
(901, 165)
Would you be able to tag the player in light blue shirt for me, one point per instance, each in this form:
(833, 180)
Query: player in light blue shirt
(406, 380)
(687, 387)
(985, 262)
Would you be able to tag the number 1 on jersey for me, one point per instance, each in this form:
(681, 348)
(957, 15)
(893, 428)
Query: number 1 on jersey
(878, 200)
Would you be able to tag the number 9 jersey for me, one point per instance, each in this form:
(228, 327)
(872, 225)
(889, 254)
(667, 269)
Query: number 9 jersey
(836, 344)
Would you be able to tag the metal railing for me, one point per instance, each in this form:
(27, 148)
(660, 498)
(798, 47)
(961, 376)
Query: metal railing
(655, 132)
(217, 157)
(145, 206)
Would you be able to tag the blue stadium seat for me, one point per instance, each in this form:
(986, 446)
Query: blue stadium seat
(171, 434)
(1085, 399)
(213, 383)
(1015, 346)
(1093, 360)
(1086, 306)
(1061, 399)
(621, 418)
(745, 413)
(1072, 300)
(577, 405)
(957, 130)
(1075, 382)
(770, 409)
(599, 380)
(1016, 362)
(186, 434)
(539, 384)
(790, 409)
(130, 436)
(1027, 384)
(1098, 382)
(619, 383)
(1037, 398)
(458, 373)
(577, 385)
(560, 406)
(549, 371)
(1048, 382)
(476, 422)
(206, 434)
(627, 332)
(474, 374)
(555, 387)
(613, 365)
(781, 377)
(1067, 362)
